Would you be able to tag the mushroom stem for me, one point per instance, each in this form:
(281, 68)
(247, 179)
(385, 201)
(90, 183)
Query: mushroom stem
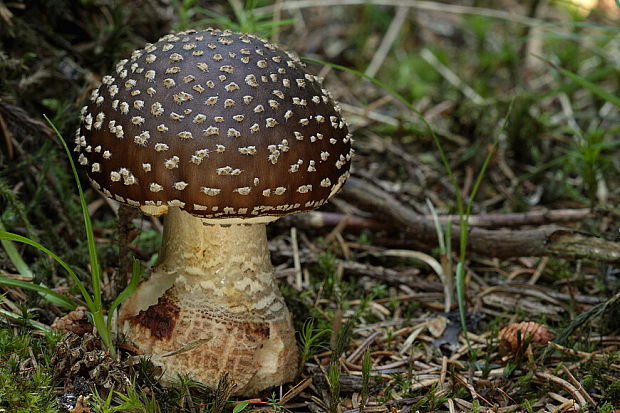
(230, 263)
(212, 297)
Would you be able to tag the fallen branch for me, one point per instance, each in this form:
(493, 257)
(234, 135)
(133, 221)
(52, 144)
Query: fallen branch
(538, 217)
(320, 219)
(543, 241)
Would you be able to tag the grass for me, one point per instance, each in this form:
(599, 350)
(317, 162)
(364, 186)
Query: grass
(463, 208)
(240, 17)
(94, 303)
(541, 133)
(311, 339)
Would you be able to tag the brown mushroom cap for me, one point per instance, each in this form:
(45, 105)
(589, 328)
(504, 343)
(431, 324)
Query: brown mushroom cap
(221, 124)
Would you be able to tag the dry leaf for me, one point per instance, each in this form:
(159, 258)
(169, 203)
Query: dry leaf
(437, 326)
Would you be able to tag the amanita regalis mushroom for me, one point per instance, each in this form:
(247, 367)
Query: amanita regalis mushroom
(223, 132)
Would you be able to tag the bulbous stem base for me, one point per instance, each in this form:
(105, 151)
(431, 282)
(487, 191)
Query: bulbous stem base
(211, 306)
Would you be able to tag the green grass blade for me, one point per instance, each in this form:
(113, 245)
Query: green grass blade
(53, 296)
(14, 256)
(481, 174)
(133, 283)
(464, 233)
(18, 238)
(438, 228)
(92, 249)
(460, 298)
(240, 406)
(373, 80)
(241, 15)
(594, 76)
(32, 323)
(585, 83)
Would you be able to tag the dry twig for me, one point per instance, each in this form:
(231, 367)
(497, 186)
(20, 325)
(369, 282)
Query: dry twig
(543, 241)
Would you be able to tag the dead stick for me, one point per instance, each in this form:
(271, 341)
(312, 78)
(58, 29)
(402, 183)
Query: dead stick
(320, 219)
(539, 217)
(577, 384)
(16, 117)
(544, 241)
(541, 376)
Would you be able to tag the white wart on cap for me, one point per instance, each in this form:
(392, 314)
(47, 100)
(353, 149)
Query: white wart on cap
(221, 124)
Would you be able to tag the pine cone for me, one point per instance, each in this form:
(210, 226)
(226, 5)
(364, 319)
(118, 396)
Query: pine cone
(513, 337)
(84, 356)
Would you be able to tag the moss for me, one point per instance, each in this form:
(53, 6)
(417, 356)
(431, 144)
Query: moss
(613, 393)
(25, 385)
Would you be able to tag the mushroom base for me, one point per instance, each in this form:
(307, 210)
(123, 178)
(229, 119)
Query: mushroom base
(211, 306)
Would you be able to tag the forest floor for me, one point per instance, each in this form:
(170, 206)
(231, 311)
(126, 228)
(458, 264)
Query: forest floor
(469, 264)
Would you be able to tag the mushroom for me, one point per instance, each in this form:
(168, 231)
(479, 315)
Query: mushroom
(224, 132)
